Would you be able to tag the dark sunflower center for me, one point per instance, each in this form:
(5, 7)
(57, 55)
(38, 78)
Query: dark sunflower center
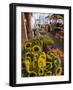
(28, 54)
(43, 57)
(47, 59)
(58, 70)
(40, 71)
(32, 74)
(48, 73)
(47, 64)
(28, 45)
(36, 49)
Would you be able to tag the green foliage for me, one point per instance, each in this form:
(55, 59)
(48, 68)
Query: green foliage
(48, 41)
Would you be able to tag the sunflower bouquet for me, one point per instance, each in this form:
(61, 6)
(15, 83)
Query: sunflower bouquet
(38, 61)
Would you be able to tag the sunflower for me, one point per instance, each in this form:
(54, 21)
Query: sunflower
(26, 61)
(32, 74)
(49, 65)
(28, 46)
(58, 71)
(52, 53)
(28, 54)
(28, 58)
(36, 48)
(41, 71)
(48, 73)
(57, 62)
(43, 55)
(42, 61)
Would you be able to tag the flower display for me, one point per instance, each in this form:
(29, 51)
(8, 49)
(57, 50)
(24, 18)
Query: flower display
(39, 61)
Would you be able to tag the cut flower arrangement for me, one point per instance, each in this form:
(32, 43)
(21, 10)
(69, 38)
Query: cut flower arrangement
(41, 58)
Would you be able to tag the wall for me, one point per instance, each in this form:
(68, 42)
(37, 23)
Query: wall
(4, 45)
